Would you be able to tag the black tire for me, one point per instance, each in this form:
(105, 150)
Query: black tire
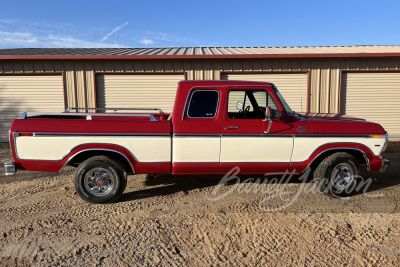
(100, 180)
(337, 175)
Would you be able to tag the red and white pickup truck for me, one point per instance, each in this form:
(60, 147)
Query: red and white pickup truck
(214, 127)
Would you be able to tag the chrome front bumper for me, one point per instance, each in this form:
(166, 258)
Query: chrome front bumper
(385, 164)
(9, 167)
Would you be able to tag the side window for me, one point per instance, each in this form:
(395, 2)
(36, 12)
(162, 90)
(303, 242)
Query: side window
(249, 104)
(203, 104)
(260, 98)
(271, 102)
(236, 97)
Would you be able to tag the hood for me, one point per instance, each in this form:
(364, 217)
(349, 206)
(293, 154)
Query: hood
(331, 116)
(342, 124)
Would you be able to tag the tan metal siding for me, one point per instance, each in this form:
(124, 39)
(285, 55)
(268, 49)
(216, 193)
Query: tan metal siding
(90, 85)
(19, 94)
(81, 88)
(315, 90)
(71, 88)
(137, 90)
(293, 86)
(324, 75)
(334, 93)
(373, 96)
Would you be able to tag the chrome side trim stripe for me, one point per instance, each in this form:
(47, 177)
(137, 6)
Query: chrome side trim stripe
(196, 135)
(101, 134)
(270, 135)
(332, 135)
(258, 135)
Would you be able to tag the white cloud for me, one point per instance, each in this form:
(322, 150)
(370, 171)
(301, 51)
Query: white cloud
(146, 41)
(17, 38)
(26, 39)
(23, 33)
(60, 41)
(9, 21)
(163, 39)
(114, 31)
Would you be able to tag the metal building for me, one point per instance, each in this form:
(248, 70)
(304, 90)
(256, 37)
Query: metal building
(361, 81)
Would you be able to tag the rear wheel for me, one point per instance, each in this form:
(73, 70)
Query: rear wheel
(337, 175)
(100, 180)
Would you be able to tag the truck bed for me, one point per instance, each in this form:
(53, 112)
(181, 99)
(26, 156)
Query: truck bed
(54, 139)
(96, 123)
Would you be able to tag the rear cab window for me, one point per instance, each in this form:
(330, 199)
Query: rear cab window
(203, 104)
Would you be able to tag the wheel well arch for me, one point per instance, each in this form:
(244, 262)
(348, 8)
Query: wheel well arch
(358, 154)
(83, 155)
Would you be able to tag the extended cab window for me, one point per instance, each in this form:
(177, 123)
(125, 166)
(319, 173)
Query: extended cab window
(203, 104)
(249, 104)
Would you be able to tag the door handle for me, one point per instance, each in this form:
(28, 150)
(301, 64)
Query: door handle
(233, 127)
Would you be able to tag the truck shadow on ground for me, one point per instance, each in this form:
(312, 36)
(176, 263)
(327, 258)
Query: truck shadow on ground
(377, 197)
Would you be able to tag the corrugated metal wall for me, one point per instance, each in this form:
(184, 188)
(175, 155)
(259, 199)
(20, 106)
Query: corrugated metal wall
(293, 86)
(373, 96)
(20, 93)
(324, 85)
(137, 90)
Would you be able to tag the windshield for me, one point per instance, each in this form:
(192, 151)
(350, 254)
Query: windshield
(283, 102)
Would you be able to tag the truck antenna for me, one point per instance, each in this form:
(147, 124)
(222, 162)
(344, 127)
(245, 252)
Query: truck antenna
(301, 106)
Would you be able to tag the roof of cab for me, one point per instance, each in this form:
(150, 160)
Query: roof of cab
(221, 83)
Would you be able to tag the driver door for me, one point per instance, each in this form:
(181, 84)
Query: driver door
(245, 139)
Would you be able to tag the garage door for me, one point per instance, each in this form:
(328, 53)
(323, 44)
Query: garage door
(293, 86)
(137, 90)
(37, 93)
(373, 96)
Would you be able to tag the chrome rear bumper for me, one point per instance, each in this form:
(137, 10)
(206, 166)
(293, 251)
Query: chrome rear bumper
(385, 164)
(9, 167)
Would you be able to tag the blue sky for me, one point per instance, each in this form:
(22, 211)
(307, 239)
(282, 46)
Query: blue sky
(147, 23)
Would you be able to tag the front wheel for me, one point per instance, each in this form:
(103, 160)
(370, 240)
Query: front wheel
(337, 175)
(100, 180)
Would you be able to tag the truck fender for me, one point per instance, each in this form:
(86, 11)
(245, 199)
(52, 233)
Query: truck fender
(362, 153)
(91, 148)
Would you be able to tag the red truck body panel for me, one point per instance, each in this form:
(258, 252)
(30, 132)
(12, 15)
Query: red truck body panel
(221, 126)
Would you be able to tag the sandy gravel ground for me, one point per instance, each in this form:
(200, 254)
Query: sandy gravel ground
(177, 221)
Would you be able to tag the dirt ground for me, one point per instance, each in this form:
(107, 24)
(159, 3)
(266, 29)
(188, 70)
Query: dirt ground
(194, 221)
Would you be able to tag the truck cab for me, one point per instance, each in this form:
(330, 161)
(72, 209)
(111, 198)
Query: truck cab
(223, 124)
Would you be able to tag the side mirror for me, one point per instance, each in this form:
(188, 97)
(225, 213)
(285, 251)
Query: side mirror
(270, 114)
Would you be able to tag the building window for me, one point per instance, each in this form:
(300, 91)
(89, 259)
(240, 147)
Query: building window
(203, 104)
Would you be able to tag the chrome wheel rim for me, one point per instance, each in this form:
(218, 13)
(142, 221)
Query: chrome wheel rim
(98, 181)
(341, 176)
